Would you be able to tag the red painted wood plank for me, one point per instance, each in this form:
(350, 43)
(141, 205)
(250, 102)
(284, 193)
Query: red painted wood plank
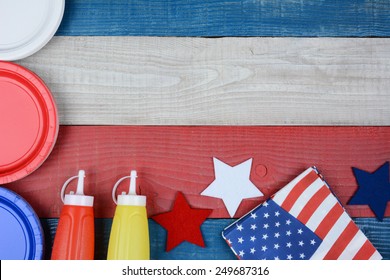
(170, 159)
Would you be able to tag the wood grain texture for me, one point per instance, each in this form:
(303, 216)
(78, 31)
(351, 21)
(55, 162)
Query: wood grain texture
(227, 18)
(233, 81)
(216, 248)
(170, 159)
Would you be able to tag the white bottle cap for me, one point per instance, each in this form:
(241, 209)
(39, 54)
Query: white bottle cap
(78, 198)
(130, 199)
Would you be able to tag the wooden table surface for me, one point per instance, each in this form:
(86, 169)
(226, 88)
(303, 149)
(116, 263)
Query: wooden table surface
(164, 86)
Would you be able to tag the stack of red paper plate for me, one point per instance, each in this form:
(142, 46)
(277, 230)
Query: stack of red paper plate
(28, 122)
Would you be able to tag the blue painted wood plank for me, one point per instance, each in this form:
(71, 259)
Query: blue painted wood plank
(208, 18)
(378, 233)
(216, 248)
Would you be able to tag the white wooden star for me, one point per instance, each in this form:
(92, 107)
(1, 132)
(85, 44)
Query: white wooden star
(232, 184)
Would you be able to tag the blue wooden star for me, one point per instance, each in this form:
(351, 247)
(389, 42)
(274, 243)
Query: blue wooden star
(374, 189)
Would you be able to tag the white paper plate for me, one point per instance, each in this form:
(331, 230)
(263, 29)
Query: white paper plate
(26, 26)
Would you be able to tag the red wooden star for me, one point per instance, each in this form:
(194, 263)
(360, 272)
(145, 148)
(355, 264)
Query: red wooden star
(182, 223)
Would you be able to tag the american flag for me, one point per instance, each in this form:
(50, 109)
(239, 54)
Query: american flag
(304, 220)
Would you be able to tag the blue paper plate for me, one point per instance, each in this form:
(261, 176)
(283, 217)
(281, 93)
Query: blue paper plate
(21, 235)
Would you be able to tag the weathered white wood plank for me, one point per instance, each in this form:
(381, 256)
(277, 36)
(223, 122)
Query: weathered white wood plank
(205, 81)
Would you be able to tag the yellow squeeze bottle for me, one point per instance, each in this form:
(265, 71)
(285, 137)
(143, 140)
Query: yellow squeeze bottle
(129, 237)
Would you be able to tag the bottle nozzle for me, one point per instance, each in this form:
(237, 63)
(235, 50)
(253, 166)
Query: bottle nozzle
(133, 177)
(131, 198)
(77, 198)
(80, 183)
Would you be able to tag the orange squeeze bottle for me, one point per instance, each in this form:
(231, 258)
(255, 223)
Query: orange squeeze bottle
(75, 235)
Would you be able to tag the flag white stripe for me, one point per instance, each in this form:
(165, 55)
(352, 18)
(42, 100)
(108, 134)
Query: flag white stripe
(354, 246)
(281, 195)
(376, 256)
(305, 197)
(331, 237)
(321, 212)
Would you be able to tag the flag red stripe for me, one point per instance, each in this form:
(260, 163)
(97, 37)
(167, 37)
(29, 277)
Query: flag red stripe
(342, 242)
(365, 252)
(298, 189)
(329, 220)
(314, 202)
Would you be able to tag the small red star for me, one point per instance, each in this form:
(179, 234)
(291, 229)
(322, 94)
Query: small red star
(183, 223)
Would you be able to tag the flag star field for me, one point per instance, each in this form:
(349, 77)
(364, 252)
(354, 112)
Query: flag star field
(271, 233)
